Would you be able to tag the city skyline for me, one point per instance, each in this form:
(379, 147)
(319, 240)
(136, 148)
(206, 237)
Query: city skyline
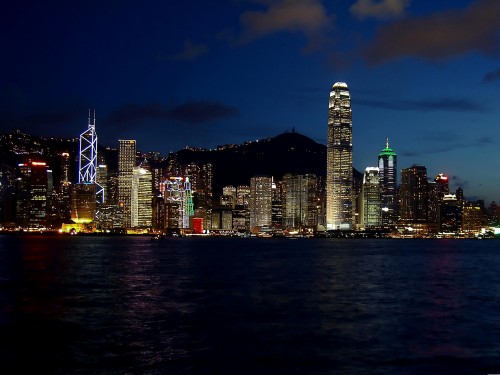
(243, 70)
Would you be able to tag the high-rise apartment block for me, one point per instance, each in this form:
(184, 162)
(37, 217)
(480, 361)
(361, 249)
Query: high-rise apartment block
(339, 177)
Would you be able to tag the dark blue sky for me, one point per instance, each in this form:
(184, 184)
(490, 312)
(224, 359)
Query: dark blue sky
(426, 74)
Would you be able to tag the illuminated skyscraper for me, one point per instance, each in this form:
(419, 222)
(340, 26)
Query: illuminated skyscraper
(300, 201)
(260, 202)
(442, 186)
(142, 198)
(179, 202)
(414, 193)
(449, 215)
(370, 203)
(387, 164)
(126, 164)
(87, 161)
(339, 177)
(243, 195)
(102, 180)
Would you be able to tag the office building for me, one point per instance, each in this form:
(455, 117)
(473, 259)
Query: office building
(387, 164)
(87, 160)
(371, 213)
(300, 209)
(413, 195)
(142, 198)
(260, 202)
(449, 215)
(126, 163)
(339, 175)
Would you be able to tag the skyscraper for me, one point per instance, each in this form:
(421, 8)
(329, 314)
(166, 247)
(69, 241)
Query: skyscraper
(339, 177)
(414, 194)
(126, 164)
(142, 198)
(300, 201)
(387, 164)
(87, 161)
(260, 202)
(370, 203)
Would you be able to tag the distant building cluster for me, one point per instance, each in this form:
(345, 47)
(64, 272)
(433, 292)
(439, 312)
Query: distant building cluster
(140, 195)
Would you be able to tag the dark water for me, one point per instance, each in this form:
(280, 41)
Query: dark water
(115, 305)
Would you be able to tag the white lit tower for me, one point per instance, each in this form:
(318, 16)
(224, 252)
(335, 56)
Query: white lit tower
(339, 178)
(87, 161)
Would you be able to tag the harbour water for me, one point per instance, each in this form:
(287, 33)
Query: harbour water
(116, 305)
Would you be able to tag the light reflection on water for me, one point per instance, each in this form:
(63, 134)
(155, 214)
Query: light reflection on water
(128, 304)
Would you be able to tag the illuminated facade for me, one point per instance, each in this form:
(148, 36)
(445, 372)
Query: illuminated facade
(126, 164)
(442, 186)
(387, 164)
(414, 195)
(450, 215)
(260, 202)
(371, 213)
(243, 195)
(339, 178)
(228, 197)
(277, 200)
(32, 195)
(179, 202)
(142, 198)
(201, 181)
(83, 203)
(102, 181)
(300, 201)
(472, 217)
(87, 161)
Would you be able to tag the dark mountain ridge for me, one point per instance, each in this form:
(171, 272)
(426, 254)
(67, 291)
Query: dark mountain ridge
(276, 156)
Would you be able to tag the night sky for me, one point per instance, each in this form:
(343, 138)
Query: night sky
(202, 73)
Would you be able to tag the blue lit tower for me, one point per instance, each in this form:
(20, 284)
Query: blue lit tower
(387, 164)
(87, 161)
(339, 177)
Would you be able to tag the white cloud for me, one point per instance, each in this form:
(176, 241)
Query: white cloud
(306, 16)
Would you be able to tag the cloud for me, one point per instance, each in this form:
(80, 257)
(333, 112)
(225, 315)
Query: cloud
(441, 104)
(193, 112)
(441, 142)
(46, 121)
(492, 76)
(201, 112)
(306, 16)
(439, 35)
(379, 9)
(190, 51)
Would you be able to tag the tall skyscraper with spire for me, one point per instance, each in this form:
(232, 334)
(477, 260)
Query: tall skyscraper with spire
(339, 178)
(387, 164)
(87, 161)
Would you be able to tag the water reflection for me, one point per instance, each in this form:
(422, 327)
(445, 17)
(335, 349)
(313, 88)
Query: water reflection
(127, 304)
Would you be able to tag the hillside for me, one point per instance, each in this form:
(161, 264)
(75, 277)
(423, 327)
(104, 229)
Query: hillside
(236, 164)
